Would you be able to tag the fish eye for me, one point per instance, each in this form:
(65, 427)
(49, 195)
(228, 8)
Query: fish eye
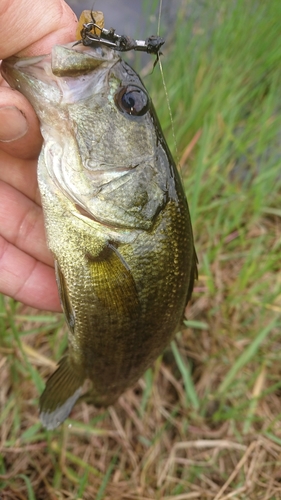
(132, 100)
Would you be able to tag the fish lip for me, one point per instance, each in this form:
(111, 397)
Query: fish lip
(21, 62)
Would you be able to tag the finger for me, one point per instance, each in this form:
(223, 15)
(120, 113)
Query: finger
(21, 175)
(19, 126)
(22, 224)
(27, 280)
(33, 27)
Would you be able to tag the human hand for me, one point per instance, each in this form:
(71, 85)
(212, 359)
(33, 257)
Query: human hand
(27, 28)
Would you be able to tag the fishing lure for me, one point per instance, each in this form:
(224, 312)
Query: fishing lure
(92, 33)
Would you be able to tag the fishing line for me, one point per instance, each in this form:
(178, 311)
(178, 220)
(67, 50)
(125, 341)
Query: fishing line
(159, 16)
(166, 92)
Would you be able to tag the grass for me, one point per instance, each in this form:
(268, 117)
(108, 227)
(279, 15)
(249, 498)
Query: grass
(204, 421)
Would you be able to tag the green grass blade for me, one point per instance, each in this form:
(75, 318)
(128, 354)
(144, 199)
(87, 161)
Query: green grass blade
(191, 395)
(30, 491)
(102, 488)
(246, 356)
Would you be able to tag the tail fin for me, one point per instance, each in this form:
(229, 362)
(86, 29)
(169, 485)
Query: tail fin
(62, 390)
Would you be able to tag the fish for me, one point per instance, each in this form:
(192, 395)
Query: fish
(116, 218)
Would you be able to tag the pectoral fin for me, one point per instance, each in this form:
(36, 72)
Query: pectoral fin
(114, 283)
(62, 390)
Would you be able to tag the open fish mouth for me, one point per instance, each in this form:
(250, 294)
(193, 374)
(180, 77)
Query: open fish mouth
(58, 71)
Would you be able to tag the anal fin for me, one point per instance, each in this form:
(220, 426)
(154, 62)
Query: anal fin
(62, 390)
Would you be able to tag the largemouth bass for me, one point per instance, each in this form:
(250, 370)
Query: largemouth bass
(116, 217)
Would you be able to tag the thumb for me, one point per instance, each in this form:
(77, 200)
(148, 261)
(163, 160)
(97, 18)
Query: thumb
(32, 27)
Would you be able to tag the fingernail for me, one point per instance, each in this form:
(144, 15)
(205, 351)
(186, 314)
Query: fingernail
(13, 124)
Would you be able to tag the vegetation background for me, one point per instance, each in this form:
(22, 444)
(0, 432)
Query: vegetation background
(204, 421)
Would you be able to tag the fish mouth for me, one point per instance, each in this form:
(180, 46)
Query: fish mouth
(13, 67)
(64, 61)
